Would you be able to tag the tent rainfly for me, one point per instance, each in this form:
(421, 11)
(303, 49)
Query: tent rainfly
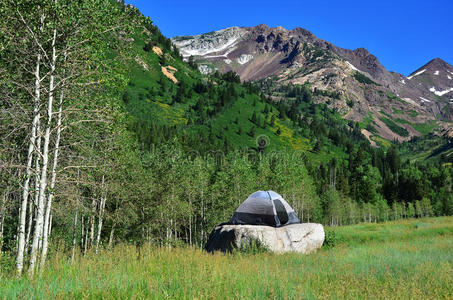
(264, 208)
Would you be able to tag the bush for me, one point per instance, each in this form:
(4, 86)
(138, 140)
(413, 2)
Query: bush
(252, 248)
(395, 127)
(363, 79)
(331, 239)
(7, 263)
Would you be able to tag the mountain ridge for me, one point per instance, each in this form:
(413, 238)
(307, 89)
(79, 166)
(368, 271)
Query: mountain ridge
(297, 56)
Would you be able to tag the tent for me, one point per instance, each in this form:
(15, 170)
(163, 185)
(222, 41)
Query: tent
(264, 208)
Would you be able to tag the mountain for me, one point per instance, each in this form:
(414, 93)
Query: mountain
(353, 82)
(437, 77)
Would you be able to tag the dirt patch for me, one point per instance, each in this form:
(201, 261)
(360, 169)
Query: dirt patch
(169, 73)
(157, 50)
(368, 135)
(171, 68)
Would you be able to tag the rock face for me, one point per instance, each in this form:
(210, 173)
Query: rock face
(302, 238)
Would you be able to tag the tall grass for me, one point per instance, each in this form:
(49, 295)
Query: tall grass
(397, 260)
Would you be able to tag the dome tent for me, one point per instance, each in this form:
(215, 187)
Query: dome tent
(264, 208)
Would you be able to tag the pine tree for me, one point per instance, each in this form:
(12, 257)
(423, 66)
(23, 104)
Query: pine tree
(253, 118)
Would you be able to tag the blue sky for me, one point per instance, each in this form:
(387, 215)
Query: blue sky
(403, 34)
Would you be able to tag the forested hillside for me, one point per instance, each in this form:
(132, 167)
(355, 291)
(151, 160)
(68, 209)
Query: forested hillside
(109, 136)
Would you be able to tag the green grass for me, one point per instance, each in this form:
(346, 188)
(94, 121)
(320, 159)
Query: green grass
(410, 259)
(395, 127)
(363, 78)
(392, 97)
(413, 113)
(423, 128)
(368, 120)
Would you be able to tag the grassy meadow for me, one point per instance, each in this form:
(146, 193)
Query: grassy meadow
(409, 259)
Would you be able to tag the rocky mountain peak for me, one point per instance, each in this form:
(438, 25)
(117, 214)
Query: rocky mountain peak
(302, 32)
(438, 64)
(361, 52)
(435, 65)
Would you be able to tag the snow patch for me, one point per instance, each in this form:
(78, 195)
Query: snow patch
(440, 93)
(416, 74)
(425, 100)
(244, 58)
(225, 55)
(436, 73)
(448, 76)
(352, 66)
(403, 82)
(227, 61)
(205, 69)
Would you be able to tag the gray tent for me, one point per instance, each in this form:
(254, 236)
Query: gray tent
(264, 208)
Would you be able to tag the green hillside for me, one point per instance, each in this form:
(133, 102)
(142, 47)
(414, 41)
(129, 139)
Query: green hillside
(219, 110)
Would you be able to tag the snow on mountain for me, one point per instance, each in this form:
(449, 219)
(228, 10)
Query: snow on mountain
(352, 66)
(440, 93)
(244, 58)
(213, 42)
(416, 74)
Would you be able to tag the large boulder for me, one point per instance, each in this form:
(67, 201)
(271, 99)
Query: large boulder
(302, 238)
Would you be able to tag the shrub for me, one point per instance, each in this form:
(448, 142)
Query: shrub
(331, 239)
(363, 79)
(252, 248)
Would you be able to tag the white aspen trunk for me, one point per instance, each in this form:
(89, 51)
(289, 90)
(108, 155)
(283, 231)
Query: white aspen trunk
(202, 220)
(50, 225)
(26, 189)
(112, 231)
(176, 231)
(86, 240)
(101, 214)
(82, 234)
(33, 204)
(30, 222)
(47, 218)
(2, 215)
(190, 220)
(302, 212)
(2, 220)
(45, 162)
(74, 235)
(92, 221)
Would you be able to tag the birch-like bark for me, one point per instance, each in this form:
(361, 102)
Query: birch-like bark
(26, 189)
(82, 233)
(112, 231)
(47, 219)
(74, 235)
(30, 221)
(45, 162)
(85, 247)
(190, 220)
(33, 204)
(2, 215)
(101, 213)
(92, 222)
